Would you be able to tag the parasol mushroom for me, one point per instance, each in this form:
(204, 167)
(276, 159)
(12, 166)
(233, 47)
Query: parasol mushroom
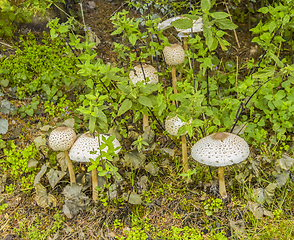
(80, 152)
(220, 149)
(174, 55)
(172, 126)
(61, 139)
(138, 76)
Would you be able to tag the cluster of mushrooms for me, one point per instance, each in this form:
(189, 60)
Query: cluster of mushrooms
(219, 149)
(80, 150)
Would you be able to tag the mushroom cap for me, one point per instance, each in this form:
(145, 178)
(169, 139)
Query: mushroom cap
(138, 76)
(174, 54)
(62, 138)
(80, 151)
(220, 149)
(172, 125)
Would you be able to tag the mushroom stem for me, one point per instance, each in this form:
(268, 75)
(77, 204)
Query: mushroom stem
(72, 176)
(145, 121)
(94, 184)
(222, 186)
(185, 43)
(184, 153)
(174, 78)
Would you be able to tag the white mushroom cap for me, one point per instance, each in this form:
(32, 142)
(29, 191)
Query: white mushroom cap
(174, 54)
(62, 138)
(138, 76)
(220, 149)
(86, 143)
(172, 125)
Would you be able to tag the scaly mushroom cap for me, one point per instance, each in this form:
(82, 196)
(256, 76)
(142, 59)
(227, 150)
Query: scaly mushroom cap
(138, 76)
(86, 143)
(220, 149)
(174, 54)
(172, 125)
(62, 138)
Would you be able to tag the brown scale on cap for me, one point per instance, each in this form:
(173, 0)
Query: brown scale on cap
(219, 136)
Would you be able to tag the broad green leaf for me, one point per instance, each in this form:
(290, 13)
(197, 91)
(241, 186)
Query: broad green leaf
(125, 106)
(145, 101)
(219, 15)
(111, 75)
(92, 122)
(133, 39)
(208, 36)
(125, 88)
(225, 24)
(264, 73)
(205, 5)
(264, 10)
(276, 59)
(182, 23)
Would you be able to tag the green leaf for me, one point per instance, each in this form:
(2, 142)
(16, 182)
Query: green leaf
(264, 10)
(182, 23)
(133, 39)
(225, 24)
(205, 5)
(111, 75)
(208, 36)
(125, 88)
(126, 105)
(92, 122)
(219, 15)
(264, 73)
(276, 59)
(145, 101)
(30, 112)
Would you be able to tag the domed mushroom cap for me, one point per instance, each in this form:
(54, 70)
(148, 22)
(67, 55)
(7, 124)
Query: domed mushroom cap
(220, 149)
(138, 76)
(62, 138)
(172, 125)
(174, 54)
(86, 143)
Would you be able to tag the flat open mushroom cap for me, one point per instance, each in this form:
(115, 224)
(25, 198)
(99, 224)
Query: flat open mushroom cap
(174, 54)
(62, 138)
(86, 143)
(172, 125)
(220, 149)
(138, 76)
